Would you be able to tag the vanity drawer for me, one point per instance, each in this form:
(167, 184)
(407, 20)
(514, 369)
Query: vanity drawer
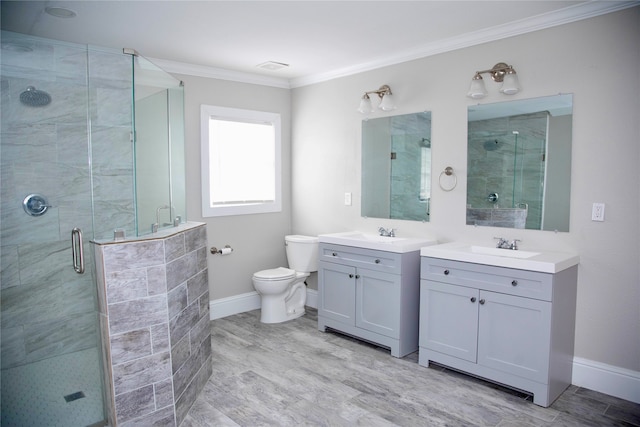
(510, 281)
(357, 257)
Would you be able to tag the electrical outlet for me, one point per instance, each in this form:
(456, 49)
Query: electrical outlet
(347, 199)
(597, 212)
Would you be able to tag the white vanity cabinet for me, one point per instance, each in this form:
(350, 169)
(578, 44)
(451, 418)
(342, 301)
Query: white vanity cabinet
(511, 326)
(370, 294)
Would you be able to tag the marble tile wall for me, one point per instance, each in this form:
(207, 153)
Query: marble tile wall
(47, 309)
(154, 297)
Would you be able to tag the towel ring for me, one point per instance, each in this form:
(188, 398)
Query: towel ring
(448, 171)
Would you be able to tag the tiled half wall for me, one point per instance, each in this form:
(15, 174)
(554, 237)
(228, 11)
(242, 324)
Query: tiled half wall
(154, 313)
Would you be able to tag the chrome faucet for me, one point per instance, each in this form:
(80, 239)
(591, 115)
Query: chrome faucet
(387, 233)
(507, 244)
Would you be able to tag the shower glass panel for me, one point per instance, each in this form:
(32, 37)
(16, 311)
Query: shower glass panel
(51, 371)
(159, 147)
(529, 175)
(410, 176)
(72, 166)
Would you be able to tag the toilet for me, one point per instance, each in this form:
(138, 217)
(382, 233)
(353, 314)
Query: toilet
(282, 290)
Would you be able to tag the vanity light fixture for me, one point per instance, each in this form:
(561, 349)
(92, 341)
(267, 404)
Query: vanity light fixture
(500, 72)
(386, 100)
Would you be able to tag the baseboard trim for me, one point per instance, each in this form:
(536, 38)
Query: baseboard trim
(242, 303)
(596, 376)
(236, 304)
(607, 379)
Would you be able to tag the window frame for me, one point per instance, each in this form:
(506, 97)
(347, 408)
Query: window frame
(245, 116)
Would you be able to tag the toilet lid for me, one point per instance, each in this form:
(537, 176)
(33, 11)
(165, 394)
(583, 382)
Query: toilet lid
(279, 273)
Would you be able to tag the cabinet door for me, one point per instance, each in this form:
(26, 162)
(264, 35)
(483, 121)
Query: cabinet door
(378, 302)
(449, 319)
(514, 335)
(336, 292)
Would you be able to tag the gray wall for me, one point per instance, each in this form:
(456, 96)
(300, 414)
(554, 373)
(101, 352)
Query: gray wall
(574, 58)
(324, 161)
(257, 240)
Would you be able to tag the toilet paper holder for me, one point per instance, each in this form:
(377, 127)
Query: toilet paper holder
(224, 251)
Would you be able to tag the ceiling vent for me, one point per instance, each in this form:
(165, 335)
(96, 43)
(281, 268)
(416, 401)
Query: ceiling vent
(272, 65)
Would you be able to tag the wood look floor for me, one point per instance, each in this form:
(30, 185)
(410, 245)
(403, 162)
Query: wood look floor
(291, 374)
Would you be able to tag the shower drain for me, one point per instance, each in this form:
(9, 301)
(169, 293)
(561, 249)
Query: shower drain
(74, 396)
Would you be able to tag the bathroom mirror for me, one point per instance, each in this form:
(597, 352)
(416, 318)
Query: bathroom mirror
(519, 163)
(396, 167)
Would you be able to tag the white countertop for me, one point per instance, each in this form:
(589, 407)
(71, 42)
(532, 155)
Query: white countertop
(532, 260)
(364, 240)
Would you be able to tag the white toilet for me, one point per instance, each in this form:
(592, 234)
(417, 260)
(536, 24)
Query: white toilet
(282, 290)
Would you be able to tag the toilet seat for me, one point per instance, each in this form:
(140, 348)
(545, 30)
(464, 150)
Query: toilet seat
(274, 274)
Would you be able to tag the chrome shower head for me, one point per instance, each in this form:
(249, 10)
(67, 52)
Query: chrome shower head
(33, 97)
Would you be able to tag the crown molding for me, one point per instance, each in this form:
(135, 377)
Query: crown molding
(540, 22)
(219, 73)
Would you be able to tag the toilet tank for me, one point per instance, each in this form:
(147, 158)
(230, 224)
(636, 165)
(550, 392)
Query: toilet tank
(302, 253)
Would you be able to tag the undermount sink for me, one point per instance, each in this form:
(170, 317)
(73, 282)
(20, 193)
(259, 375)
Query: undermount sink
(360, 239)
(509, 253)
(375, 238)
(540, 260)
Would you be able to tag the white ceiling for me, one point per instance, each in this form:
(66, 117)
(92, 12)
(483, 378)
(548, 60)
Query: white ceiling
(320, 40)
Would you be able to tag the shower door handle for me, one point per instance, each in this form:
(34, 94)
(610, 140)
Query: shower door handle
(77, 250)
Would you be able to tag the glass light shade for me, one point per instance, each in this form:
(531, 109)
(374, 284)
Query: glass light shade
(387, 103)
(510, 84)
(477, 89)
(365, 105)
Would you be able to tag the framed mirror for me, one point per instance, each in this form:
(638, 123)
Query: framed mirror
(396, 167)
(519, 163)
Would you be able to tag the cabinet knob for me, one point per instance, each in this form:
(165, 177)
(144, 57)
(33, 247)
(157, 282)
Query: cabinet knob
(350, 276)
(482, 301)
(514, 283)
(334, 254)
(473, 299)
(377, 261)
(446, 272)
(357, 276)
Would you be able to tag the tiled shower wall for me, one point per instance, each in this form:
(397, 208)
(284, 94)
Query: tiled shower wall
(154, 299)
(406, 176)
(47, 309)
(409, 134)
(493, 170)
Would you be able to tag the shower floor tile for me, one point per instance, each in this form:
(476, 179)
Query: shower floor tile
(34, 394)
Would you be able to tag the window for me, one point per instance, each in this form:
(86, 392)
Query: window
(240, 161)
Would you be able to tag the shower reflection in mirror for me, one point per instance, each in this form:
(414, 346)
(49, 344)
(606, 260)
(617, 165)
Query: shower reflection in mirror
(519, 163)
(396, 167)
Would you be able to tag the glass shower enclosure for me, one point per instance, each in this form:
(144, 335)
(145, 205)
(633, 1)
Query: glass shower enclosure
(91, 141)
